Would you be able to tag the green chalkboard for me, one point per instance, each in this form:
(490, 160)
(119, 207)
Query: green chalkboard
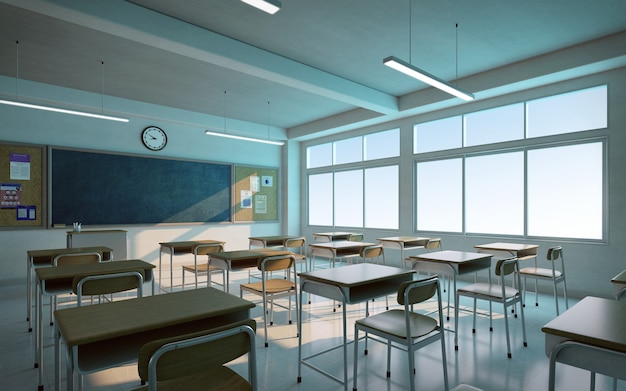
(104, 189)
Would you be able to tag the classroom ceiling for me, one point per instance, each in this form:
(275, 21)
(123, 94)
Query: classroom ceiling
(317, 62)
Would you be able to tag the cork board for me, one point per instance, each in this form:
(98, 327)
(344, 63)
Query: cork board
(256, 194)
(21, 186)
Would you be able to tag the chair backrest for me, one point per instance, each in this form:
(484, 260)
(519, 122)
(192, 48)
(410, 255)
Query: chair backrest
(77, 258)
(185, 355)
(505, 267)
(206, 249)
(372, 251)
(413, 292)
(433, 244)
(355, 237)
(277, 262)
(103, 284)
(554, 253)
(299, 243)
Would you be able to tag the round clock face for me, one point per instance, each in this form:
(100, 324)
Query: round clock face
(154, 138)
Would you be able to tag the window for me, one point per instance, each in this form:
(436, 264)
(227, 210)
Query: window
(321, 199)
(495, 125)
(319, 155)
(348, 151)
(349, 198)
(494, 194)
(381, 197)
(565, 191)
(382, 145)
(440, 195)
(438, 135)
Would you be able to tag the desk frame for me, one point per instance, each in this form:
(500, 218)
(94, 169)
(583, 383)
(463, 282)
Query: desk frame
(177, 248)
(350, 285)
(334, 250)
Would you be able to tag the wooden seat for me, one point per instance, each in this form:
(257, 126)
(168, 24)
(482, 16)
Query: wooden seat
(196, 361)
(407, 329)
(552, 274)
(270, 288)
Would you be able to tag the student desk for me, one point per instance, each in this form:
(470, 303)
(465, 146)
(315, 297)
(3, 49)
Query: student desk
(269, 241)
(332, 236)
(349, 284)
(403, 243)
(60, 279)
(177, 248)
(589, 335)
(619, 285)
(107, 335)
(242, 259)
(452, 263)
(519, 251)
(336, 249)
(44, 258)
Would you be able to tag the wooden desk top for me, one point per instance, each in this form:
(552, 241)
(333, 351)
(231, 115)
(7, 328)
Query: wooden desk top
(53, 252)
(246, 255)
(620, 278)
(450, 256)
(272, 238)
(178, 246)
(92, 269)
(340, 245)
(354, 275)
(594, 321)
(336, 234)
(93, 323)
(506, 246)
(403, 239)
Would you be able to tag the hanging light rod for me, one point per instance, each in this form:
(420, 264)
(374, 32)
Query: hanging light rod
(410, 70)
(64, 111)
(256, 140)
(269, 6)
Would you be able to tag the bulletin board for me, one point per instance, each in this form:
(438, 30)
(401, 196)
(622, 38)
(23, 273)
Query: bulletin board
(21, 185)
(256, 194)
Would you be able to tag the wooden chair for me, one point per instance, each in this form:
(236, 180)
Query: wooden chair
(298, 247)
(552, 274)
(197, 361)
(203, 268)
(508, 296)
(104, 284)
(273, 288)
(407, 329)
(375, 253)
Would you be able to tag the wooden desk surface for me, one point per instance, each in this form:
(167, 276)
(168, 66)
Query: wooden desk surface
(274, 238)
(354, 275)
(506, 246)
(451, 256)
(89, 324)
(594, 321)
(244, 255)
(335, 234)
(188, 245)
(92, 269)
(46, 256)
(341, 245)
(620, 278)
(404, 239)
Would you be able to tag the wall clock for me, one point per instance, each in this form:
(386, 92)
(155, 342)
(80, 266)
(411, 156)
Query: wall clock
(154, 138)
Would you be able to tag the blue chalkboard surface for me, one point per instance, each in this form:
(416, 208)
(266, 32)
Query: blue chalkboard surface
(104, 189)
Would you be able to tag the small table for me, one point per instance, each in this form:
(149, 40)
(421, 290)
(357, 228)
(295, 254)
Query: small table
(177, 248)
(452, 263)
(269, 241)
(349, 284)
(619, 285)
(332, 236)
(242, 259)
(61, 278)
(520, 251)
(403, 243)
(589, 335)
(96, 339)
(44, 258)
(336, 249)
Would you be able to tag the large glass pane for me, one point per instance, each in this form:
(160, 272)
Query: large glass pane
(319, 156)
(440, 195)
(494, 194)
(565, 195)
(348, 150)
(349, 198)
(321, 199)
(382, 144)
(438, 135)
(565, 113)
(495, 125)
(381, 197)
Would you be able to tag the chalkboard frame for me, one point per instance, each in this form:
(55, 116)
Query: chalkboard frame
(127, 189)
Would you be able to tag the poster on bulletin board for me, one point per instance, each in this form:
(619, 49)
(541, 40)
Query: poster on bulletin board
(256, 194)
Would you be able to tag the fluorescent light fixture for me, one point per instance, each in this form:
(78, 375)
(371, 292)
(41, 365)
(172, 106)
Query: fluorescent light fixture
(410, 70)
(64, 111)
(256, 140)
(269, 6)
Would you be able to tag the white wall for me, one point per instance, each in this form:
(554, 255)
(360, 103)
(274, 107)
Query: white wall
(590, 266)
(186, 140)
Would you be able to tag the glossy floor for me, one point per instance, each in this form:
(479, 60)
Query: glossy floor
(481, 360)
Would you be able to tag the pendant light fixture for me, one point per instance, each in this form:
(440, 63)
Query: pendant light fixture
(19, 103)
(269, 6)
(408, 69)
